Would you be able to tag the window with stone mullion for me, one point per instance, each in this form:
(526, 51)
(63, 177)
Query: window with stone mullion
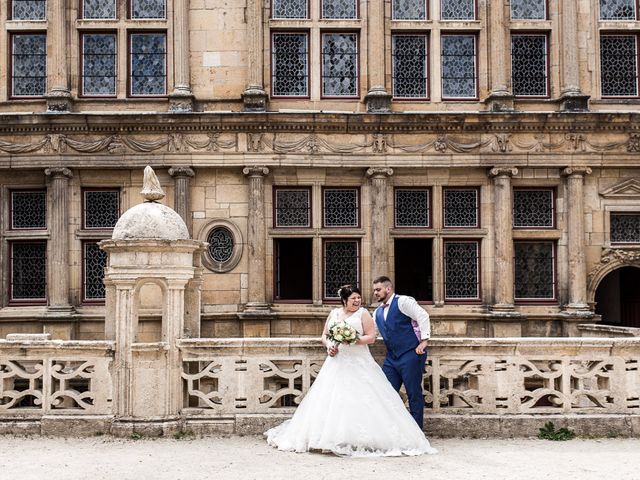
(99, 64)
(409, 55)
(292, 207)
(148, 64)
(409, 10)
(529, 65)
(461, 270)
(28, 272)
(28, 64)
(534, 273)
(339, 64)
(28, 10)
(411, 207)
(533, 208)
(458, 56)
(94, 261)
(28, 209)
(619, 65)
(339, 9)
(528, 9)
(289, 9)
(341, 261)
(148, 9)
(99, 9)
(341, 207)
(290, 64)
(101, 208)
(618, 9)
(458, 9)
(460, 207)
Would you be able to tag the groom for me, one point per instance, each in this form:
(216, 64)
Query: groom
(405, 329)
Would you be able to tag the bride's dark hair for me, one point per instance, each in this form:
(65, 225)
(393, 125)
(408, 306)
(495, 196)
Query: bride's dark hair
(345, 291)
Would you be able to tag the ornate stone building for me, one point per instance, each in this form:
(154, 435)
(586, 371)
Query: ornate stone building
(483, 153)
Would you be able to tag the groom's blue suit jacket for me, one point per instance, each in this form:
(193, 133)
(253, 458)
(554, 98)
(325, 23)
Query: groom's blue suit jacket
(397, 330)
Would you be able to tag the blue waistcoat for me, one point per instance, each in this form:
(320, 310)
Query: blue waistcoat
(397, 331)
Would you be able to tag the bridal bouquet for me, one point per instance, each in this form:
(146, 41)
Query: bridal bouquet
(342, 332)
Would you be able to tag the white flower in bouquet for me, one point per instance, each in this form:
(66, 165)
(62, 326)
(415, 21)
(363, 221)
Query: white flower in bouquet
(342, 332)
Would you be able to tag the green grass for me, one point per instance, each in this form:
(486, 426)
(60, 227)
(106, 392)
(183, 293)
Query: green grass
(549, 432)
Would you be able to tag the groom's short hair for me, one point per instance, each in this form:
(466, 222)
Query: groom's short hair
(385, 280)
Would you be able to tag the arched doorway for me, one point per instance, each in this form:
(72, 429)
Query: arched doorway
(618, 297)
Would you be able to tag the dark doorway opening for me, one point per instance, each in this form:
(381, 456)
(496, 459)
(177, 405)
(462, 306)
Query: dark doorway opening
(414, 267)
(618, 297)
(293, 269)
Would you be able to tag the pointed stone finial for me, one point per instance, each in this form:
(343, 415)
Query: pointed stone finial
(151, 189)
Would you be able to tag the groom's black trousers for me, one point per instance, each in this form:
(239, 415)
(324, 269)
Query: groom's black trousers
(407, 368)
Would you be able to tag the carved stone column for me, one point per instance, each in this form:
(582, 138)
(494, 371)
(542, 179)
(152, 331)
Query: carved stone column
(571, 97)
(256, 241)
(59, 96)
(377, 99)
(181, 201)
(503, 240)
(379, 229)
(58, 260)
(181, 99)
(577, 271)
(254, 97)
(499, 99)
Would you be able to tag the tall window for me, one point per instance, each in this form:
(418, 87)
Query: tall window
(148, 64)
(28, 9)
(529, 65)
(409, 54)
(461, 270)
(341, 265)
(529, 9)
(99, 64)
(459, 66)
(534, 270)
(148, 9)
(28, 64)
(339, 9)
(619, 65)
(458, 9)
(94, 260)
(625, 227)
(292, 207)
(293, 269)
(409, 10)
(99, 9)
(339, 64)
(412, 207)
(290, 9)
(28, 272)
(290, 65)
(460, 207)
(618, 9)
(533, 208)
(341, 207)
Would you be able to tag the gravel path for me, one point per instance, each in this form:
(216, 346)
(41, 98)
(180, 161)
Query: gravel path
(249, 457)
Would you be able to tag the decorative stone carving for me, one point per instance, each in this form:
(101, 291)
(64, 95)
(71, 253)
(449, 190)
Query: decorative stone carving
(627, 189)
(611, 259)
(151, 188)
(378, 100)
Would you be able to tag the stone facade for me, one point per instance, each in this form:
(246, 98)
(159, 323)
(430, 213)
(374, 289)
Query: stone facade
(224, 141)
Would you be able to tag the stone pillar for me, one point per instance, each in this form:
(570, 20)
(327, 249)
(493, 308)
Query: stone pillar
(577, 271)
(181, 200)
(499, 99)
(59, 96)
(377, 98)
(503, 241)
(254, 97)
(571, 97)
(181, 99)
(256, 240)
(379, 228)
(58, 258)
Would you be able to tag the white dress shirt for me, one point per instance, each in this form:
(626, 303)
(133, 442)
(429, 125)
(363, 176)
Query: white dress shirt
(411, 309)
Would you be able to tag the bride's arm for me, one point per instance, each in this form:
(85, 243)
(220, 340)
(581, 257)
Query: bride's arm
(369, 329)
(331, 348)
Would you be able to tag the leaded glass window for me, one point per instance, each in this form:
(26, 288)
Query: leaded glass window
(412, 208)
(533, 208)
(293, 207)
(341, 207)
(341, 265)
(94, 263)
(29, 209)
(148, 9)
(29, 271)
(289, 9)
(460, 207)
(529, 9)
(99, 64)
(458, 66)
(28, 9)
(617, 9)
(101, 208)
(28, 65)
(619, 65)
(534, 270)
(339, 64)
(339, 9)
(221, 244)
(461, 270)
(458, 10)
(529, 65)
(99, 9)
(148, 63)
(290, 65)
(625, 227)
(409, 66)
(409, 10)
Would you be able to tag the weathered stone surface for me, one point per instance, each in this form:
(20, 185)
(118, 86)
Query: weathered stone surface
(150, 221)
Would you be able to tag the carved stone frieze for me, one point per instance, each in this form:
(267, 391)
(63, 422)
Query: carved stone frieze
(610, 260)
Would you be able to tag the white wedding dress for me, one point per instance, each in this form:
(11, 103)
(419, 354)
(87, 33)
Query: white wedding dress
(351, 409)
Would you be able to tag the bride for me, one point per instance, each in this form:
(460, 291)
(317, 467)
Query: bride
(351, 408)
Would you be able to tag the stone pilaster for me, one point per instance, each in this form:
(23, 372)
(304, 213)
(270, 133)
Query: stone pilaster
(181, 99)
(503, 241)
(379, 228)
(59, 96)
(499, 99)
(577, 271)
(377, 99)
(181, 201)
(571, 96)
(58, 263)
(254, 97)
